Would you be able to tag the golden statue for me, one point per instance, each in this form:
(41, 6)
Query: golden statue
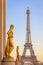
(9, 45)
(17, 52)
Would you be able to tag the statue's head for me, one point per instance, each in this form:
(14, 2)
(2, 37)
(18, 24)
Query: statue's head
(17, 47)
(12, 26)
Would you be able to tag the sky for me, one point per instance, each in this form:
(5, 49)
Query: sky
(16, 14)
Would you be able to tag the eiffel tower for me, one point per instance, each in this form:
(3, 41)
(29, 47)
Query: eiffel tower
(28, 45)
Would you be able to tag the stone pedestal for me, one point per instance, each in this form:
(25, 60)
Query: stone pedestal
(18, 63)
(7, 62)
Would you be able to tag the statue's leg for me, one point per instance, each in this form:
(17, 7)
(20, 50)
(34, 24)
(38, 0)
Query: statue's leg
(10, 50)
(7, 48)
(11, 46)
(18, 57)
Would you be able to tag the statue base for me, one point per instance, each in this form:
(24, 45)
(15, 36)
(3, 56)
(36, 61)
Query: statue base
(8, 62)
(17, 63)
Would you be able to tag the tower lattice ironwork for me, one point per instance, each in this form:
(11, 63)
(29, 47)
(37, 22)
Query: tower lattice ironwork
(28, 44)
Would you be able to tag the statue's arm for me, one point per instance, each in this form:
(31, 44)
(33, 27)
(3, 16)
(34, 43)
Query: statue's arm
(9, 31)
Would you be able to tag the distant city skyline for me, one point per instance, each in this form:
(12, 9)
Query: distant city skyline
(16, 14)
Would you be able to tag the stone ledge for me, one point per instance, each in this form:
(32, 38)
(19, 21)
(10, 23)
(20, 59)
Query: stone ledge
(8, 62)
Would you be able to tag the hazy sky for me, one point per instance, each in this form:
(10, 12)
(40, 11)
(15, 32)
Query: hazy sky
(16, 14)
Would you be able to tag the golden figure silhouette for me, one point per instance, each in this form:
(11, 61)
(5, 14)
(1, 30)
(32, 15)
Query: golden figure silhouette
(17, 52)
(9, 45)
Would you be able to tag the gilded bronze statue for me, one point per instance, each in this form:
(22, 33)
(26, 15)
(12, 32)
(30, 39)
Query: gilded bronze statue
(9, 45)
(17, 52)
